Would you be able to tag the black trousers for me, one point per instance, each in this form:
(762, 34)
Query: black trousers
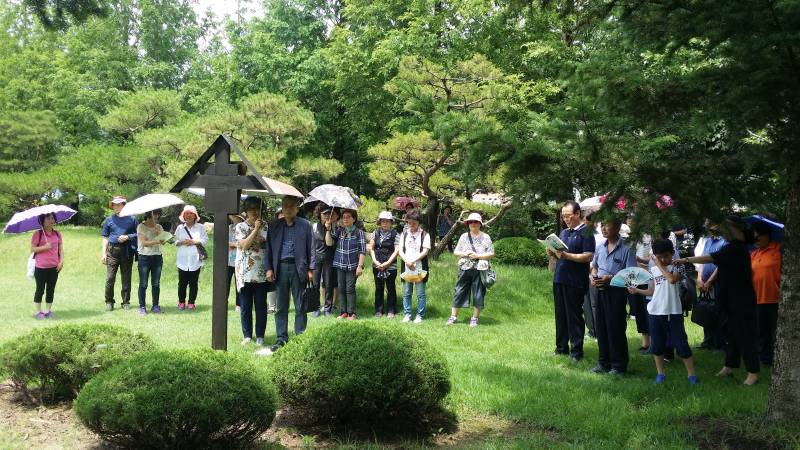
(590, 309)
(118, 259)
(569, 319)
(325, 276)
(390, 287)
(742, 334)
(190, 279)
(231, 276)
(46, 280)
(767, 328)
(638, 304)
(612, 321)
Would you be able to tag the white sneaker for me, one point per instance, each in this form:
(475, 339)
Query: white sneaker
(260, 342)
(418, 319)
(264, 351)
(246, 341)
(406, 318)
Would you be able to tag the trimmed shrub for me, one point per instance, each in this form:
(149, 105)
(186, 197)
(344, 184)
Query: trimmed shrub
(179, 399)
(520, 251)
(361, 372)
(56, 362)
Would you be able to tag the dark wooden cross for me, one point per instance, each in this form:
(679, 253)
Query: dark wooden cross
(223, 181)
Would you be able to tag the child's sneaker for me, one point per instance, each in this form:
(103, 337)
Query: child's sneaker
(39, 315)
(407, 318)
(181, 306)
(473, 322)
(142, 311)
(693, 380)
(659, 378)
(451, 320)
(49, 315)
(418, 319)
(191, 307)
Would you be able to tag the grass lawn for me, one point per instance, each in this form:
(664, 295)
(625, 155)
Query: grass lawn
(503, 369)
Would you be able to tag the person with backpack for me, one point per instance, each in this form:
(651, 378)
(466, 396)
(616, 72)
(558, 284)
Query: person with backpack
(351, 248)
(48, 250)
(415, 244)
(474, 249)
(190, 237)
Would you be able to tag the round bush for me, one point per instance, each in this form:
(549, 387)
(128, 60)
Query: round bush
(179, 399)
(361, 372)
(56, 362)
(520, 251)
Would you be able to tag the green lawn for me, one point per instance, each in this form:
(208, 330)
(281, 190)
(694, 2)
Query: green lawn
(503, 368)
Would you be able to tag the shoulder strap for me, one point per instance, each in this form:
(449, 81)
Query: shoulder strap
(421, 240)
(469, 236)
(186, 227)
(405, 236)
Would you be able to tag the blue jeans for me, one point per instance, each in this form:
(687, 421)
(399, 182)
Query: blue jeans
(253, 294)
(407, 288)
(150, 264)
(288, 280)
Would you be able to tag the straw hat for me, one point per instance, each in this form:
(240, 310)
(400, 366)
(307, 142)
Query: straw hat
(474, 217)
(188, 208)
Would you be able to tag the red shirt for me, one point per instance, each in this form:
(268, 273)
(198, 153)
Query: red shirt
(766, 264)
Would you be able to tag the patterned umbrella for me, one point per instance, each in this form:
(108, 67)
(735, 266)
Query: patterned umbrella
(28, 220)
(401, 202)
(334, 196)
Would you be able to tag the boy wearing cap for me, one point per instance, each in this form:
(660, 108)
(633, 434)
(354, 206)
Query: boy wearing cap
(119, 248)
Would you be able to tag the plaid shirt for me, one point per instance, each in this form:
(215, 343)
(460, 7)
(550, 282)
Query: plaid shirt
(348, 247)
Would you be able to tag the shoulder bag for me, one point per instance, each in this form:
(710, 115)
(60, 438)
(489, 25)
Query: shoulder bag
(488, 276)
(201, 250)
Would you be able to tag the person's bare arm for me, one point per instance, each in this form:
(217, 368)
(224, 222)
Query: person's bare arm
(104, 250)
(584, 257)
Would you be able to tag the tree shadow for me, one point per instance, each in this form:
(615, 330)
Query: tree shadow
(420, 429)
(75, 314)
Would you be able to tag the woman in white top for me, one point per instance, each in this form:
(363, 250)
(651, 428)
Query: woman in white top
(415, 244)
(150, 259)
(474, 249)
(188, 237)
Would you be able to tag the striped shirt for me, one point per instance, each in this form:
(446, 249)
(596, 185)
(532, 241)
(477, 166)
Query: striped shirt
(348, 247)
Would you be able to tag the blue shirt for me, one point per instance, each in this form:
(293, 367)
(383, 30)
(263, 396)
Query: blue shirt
(115, 226)
(578, 240)
(287, 245)
(712, 245)
(348, 248)
(609, 263)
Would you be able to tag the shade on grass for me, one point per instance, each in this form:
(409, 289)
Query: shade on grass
(503, 367)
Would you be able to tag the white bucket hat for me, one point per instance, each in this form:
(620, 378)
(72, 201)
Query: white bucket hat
(385, 215)
(473, 217)
(188, 208)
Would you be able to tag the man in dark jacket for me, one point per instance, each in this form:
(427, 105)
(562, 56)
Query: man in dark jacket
(290, 266)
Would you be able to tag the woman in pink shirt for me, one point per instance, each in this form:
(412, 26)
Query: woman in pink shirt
(48, 251)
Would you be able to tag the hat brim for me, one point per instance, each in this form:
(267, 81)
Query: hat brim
(467, 222)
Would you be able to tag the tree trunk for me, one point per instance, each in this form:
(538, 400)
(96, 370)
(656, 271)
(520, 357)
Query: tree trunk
(429, 217)
(784, 392)
(439, 248)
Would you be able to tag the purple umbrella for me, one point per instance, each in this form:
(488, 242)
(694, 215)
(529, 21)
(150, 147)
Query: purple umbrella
(28, 220)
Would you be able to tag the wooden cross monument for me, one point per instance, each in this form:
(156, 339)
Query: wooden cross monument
(223, 181)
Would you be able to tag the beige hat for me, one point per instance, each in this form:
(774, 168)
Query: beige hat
(385, 215)
(117, 200)
(188, 208)
(473, 217)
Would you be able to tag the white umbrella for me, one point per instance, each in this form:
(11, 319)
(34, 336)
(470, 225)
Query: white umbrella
(150, 202)
(334, 196)
(591, 204)
(278, 188)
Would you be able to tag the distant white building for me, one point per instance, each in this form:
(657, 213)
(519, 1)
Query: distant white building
(488, 198)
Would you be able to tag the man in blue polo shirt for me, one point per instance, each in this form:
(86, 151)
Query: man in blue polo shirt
(571, 281)
(612, 256)
(119, 249)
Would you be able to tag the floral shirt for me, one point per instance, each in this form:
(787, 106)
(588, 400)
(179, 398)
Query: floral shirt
(250, 266)
(482, 244)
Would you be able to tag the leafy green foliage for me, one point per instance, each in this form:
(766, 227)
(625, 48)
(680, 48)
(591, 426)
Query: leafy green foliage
(361, 371)
(55, 362)
(179, 399)
(520, 251)
(143, 110)
(28, 140)
(58, 14)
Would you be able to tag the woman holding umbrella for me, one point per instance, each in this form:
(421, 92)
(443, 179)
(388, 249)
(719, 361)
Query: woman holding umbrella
(48, 251)
(150, 243)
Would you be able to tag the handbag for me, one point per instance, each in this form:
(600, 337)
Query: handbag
(488, 276)
(310, 298)
(706, 312)
(201, 250)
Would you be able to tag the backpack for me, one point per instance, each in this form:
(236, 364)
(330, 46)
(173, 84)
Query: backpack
(425, 259)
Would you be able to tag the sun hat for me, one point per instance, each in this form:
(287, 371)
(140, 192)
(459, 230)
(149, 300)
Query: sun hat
(473, 217)
(188, 208)
(385, 215)
(118, 199)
